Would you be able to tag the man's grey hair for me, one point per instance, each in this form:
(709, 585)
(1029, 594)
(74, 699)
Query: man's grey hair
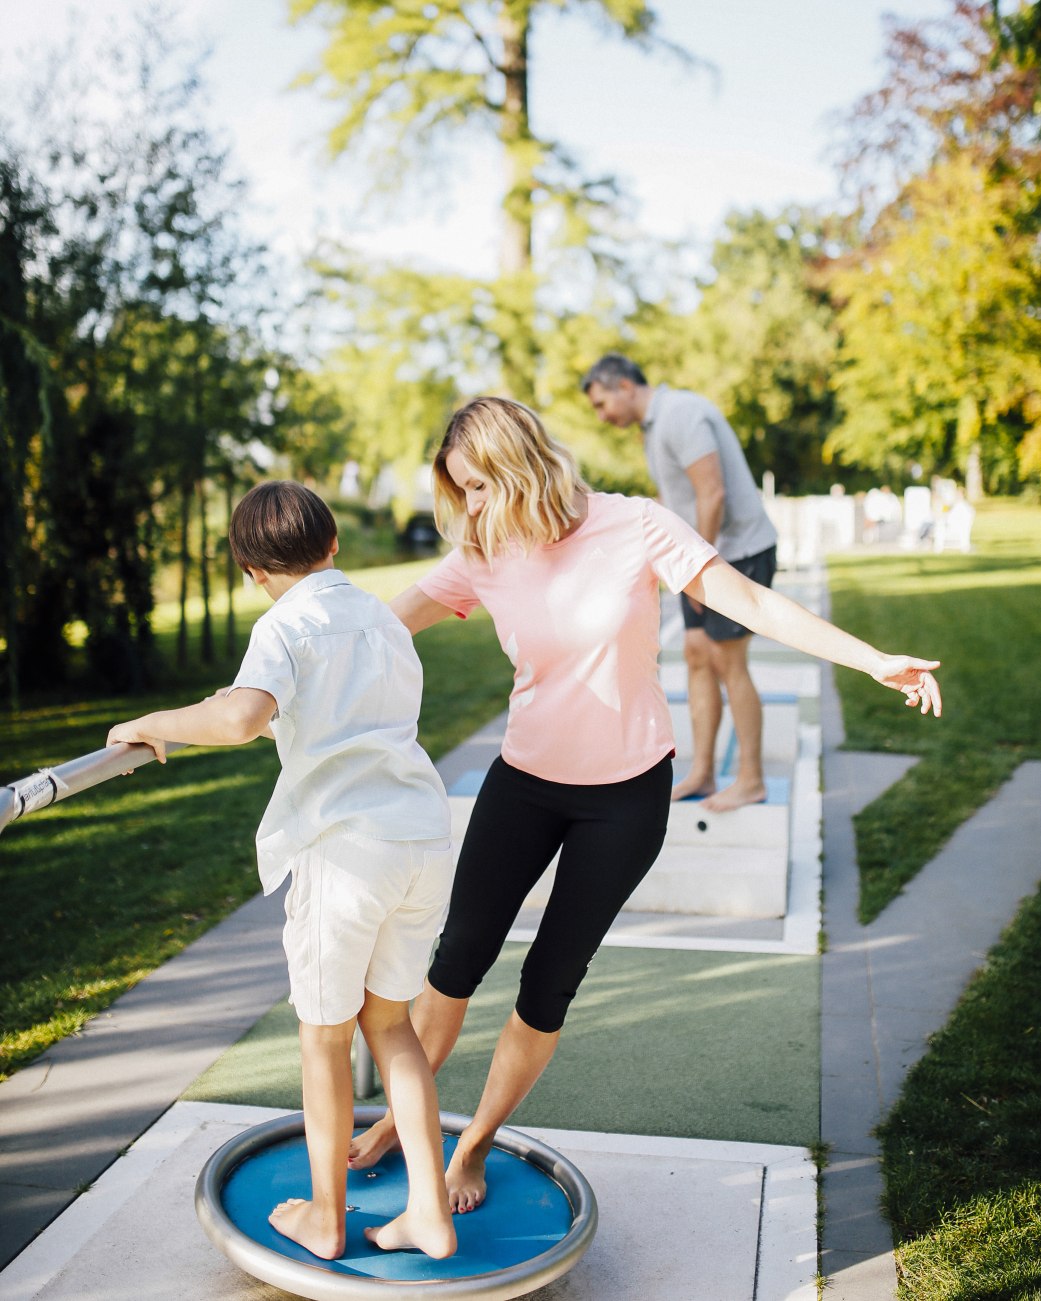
(610, 369)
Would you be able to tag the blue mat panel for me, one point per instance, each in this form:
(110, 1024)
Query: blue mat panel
(526, 1214)
(778, 790)
(469, 783)
(678, 696)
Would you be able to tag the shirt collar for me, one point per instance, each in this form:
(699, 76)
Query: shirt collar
(313, 583)
(652, 406)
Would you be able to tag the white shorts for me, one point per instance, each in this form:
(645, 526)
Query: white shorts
(362, 914)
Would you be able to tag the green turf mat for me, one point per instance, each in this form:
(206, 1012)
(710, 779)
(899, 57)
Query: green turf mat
(697, 1045)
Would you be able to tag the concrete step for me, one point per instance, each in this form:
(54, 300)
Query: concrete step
(715, 882)
(799, 677)
(780, 733)
(724, 864)
(755, 826)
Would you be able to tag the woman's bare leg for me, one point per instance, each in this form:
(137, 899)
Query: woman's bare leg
(521, 1055)
(437, 1021)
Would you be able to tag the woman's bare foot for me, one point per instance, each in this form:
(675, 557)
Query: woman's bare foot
(464, 1178)
(433, 1234)
(694, 787)
(368, 1148)
(736, 796)
(323, 1235)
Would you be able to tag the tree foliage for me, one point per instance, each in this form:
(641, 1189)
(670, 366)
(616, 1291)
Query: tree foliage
(939, 363)
(414, 76)
(126, 368)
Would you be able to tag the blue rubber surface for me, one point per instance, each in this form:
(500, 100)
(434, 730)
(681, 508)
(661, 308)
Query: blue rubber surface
(469, 783)
(526, 1214)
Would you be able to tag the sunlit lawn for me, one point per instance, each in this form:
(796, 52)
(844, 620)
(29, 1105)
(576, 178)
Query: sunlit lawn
(962, 1148)
(102, 888)
(981, 615)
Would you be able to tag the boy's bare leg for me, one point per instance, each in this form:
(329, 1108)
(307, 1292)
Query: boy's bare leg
(426, 1222)
(705, 703)
(437, 1020)
(320, 1224)
(521, 1055)
(746, 709)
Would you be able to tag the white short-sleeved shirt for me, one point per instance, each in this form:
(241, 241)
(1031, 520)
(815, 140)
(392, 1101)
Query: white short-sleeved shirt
(348, 683)
(681, 428)
(579, 620)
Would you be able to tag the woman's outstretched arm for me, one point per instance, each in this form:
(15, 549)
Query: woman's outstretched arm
(722, 588)
(417, 611)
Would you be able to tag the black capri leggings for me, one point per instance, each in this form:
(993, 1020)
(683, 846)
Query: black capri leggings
(608, 837)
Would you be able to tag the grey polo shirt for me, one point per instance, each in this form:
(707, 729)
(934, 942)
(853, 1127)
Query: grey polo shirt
(679, 429)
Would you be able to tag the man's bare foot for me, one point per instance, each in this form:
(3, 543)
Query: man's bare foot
(464, 1179)
(433, 1234)
(323, 1235)
(694, 787)
(367, 1149)
(736, 796)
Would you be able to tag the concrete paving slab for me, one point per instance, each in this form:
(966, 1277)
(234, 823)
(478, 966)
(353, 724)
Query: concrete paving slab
(726, 1221)
(852, 1276)
(853, 1190)
(65, 1117)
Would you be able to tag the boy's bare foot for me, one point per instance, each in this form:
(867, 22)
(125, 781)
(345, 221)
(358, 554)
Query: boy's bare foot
(465, 1180)
(433, 1234)
(300, 1220)
(736, 796)
(368, 1148)
(695, 787)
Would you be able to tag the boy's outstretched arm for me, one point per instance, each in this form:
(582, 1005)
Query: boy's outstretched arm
(232, 719)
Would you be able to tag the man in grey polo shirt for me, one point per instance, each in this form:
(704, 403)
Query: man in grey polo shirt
(702, 475)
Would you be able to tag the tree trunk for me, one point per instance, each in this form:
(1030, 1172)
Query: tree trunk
(230, 571)
(204, 578)
(182, 631)
(515, 134)
(515, 292)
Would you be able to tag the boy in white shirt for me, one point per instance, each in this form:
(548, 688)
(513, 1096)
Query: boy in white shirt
(360, 819)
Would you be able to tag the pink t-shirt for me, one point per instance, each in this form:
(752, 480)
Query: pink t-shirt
(579, 621)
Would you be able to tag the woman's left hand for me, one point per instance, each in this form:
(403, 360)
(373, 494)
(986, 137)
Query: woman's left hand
(914, 678)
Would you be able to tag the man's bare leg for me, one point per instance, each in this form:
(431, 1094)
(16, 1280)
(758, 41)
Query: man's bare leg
(320, 1224)
(437, 1021)
(705, 703)
(426, 1221)
(521, 1055)
(746, 710)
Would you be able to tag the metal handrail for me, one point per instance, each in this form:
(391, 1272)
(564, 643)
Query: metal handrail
(49, 785)
(42, 789)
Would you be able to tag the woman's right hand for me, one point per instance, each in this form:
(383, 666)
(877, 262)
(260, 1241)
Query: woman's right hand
(914, 678)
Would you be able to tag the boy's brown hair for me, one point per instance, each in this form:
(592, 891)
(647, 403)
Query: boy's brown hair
(281, 527)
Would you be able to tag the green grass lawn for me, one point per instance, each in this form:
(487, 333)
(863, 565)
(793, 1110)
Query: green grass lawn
(102, 888)
(961, 1150)
(981, 615)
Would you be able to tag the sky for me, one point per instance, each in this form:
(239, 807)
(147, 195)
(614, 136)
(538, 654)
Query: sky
(689, 145)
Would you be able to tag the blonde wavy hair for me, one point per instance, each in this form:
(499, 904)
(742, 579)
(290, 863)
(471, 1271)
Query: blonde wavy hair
(533, 481)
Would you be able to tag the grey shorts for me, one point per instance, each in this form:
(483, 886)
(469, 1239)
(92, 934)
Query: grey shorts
(760, 568)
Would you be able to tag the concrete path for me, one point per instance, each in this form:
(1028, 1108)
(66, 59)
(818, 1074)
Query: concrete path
(739, 1221)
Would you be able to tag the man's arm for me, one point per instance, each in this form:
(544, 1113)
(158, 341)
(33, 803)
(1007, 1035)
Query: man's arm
(233, 719)
(706, 477)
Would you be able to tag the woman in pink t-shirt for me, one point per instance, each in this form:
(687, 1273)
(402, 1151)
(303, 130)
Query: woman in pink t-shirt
(570, 578)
